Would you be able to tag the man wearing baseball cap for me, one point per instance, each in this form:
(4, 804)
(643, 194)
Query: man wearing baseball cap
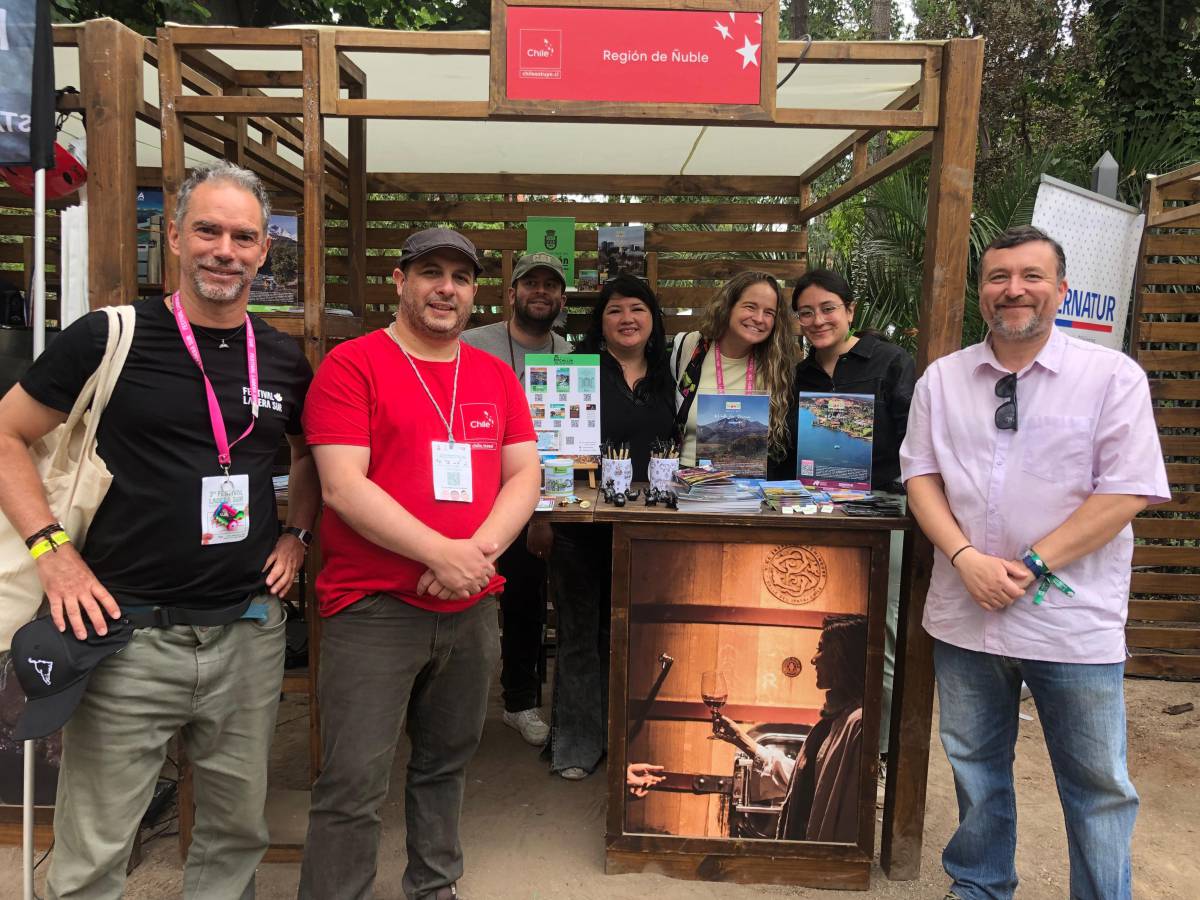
(431, 471)
(535, 299)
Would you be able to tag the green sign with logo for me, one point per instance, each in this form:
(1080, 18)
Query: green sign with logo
(553, 234)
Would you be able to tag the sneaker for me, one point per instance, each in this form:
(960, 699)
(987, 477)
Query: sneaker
(530, 724)
(574, 773)
(446, 893)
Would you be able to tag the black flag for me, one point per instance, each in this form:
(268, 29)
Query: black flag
(26, 84)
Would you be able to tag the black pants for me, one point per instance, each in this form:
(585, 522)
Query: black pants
(523, 605)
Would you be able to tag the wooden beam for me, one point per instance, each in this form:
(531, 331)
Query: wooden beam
(942, 293)
(895, 119)
(495, 211)
(110, 69)
(171, 135)
(656, 239)
(895, 160)
(314, 204)
(237, 38)
(858, 163)
(869, 52)
(349, 73)
(330, 78)
(357, 192)
(379, 40)
(649, 185)
(907, 100)
(1162, 181)
(252, 78)
(227, 105)
(1176, 216)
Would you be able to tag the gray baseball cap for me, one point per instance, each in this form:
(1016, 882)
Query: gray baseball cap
(531, 261)
(438, 239)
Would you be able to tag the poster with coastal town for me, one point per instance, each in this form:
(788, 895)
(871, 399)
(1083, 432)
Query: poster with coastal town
(732, 432)
(833, 440)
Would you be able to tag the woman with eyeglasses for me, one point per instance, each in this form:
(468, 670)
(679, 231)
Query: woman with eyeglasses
(742, 347)
(637, 409)
(841, 362)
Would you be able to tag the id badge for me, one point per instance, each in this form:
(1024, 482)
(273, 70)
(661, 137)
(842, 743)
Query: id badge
(452, 471)
(224, 509)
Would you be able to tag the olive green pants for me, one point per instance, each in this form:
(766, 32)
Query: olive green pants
(219, 687)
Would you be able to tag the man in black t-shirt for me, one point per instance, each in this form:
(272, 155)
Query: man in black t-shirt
(186, 545)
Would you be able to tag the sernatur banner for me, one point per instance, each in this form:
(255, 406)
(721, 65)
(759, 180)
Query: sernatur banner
(1101, 238)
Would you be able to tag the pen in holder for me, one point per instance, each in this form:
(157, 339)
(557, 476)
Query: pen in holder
(618, 471)
(662, 472)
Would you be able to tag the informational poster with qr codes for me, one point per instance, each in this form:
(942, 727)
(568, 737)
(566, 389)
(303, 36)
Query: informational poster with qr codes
(564, 400)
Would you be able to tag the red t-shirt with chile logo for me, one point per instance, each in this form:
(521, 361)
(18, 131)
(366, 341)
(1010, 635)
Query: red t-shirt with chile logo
(365, 394)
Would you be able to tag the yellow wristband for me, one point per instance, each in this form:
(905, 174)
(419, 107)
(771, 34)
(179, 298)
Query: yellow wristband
(45, 545)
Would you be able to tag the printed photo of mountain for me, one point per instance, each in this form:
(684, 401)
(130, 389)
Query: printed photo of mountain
(732, 432)
(275, 285)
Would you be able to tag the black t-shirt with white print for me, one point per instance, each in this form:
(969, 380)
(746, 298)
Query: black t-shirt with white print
(156, 439)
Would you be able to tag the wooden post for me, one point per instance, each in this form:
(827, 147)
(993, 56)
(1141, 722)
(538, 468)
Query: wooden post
(943, 287)
(170, 86)
(314, 204)
(110, 69)
(356, 190)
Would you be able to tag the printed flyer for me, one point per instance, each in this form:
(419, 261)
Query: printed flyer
(564, 400)
(833, 440)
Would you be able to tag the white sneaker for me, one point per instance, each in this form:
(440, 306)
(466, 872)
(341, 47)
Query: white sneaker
(574, 773)
(530, 724)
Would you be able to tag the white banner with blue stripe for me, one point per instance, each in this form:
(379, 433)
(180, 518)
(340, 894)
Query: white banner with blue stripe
(1101, 238)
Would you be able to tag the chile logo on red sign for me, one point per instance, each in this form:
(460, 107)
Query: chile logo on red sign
(541, 53)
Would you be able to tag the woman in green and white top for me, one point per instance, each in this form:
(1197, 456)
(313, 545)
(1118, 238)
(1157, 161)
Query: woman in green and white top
(743, 346)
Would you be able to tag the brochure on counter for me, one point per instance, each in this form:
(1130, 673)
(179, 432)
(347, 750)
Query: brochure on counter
(733, 431)
(564, 400)
(833, 440)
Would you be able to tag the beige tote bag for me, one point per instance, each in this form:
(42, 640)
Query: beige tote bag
(73, 474)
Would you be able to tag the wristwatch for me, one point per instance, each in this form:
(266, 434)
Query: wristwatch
(303, 535)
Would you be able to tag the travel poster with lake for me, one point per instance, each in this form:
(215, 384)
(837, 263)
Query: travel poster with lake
(732, 432)
(833, 440)
(564, 400)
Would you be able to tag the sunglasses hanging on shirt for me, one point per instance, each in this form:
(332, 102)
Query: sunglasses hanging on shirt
(1006, 412)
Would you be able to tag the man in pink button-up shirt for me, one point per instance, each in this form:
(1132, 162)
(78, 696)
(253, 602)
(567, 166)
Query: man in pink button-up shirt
(1026, 458)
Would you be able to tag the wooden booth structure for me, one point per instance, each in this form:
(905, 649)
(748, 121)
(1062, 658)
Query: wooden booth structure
(1164, 607)
(719, 189)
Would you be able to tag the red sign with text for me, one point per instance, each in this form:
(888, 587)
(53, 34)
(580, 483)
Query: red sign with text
(634, 56)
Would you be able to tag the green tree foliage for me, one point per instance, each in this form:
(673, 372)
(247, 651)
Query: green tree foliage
(832, 20)
(1150, 72)
(146, 17)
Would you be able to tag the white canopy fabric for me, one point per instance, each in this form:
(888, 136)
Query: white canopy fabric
(556, 147)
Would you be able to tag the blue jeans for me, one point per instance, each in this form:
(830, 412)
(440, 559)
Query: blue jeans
(1082, 710)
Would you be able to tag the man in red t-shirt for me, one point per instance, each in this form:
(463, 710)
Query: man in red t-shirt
(429, 470)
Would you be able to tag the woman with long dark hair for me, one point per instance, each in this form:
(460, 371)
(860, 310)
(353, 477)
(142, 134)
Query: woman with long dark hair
(636, 408)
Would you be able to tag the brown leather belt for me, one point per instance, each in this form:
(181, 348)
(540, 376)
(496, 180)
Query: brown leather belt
(688, 783)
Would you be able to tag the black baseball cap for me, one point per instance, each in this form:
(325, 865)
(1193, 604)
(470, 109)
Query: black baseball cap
(438, 239)
(54, 667)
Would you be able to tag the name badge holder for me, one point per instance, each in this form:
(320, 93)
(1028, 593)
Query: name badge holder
(452, 479)
(225, 498)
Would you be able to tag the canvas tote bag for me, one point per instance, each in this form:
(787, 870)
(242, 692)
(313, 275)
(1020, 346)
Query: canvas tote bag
(73, 474)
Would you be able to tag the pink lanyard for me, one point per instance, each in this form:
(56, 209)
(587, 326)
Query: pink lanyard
(214, 409)
(721, 371)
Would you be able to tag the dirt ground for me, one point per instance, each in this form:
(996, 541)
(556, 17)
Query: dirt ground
(530, 836)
